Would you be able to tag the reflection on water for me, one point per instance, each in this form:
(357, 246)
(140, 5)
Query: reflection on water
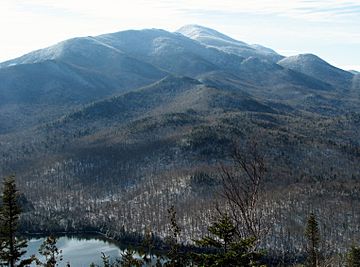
(79, 252)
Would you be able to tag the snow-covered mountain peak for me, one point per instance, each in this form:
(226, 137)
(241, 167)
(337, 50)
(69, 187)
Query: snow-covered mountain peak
(78, 45)
(304, 58)
(215, 39)
(318, 68)
(196, 32)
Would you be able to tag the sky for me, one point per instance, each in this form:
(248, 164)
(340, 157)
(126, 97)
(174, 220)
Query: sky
(327, 28)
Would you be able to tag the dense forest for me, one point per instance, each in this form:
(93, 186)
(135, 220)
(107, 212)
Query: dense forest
(238, 232)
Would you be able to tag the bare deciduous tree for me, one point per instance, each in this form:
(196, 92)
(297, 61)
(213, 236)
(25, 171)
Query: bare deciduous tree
(242, 186)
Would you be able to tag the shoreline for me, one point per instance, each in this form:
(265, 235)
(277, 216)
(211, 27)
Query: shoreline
(121, 244)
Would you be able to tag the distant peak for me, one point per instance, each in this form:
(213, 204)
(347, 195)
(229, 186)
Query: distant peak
(308, 55)
(318, 68)
(354, 72)
(174, 78)
(304, 58)
(195, 31)
(193, 27)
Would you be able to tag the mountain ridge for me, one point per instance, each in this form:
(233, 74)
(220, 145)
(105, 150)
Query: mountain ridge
(121, 61)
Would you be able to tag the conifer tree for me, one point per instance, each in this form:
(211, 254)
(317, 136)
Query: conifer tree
(225, 247)
(128, 259)
(353, 257)
(51, 252)
(12, 247)
(223, 233)
(312, 234)
(105, 260)
(148, 246)
(176, 259)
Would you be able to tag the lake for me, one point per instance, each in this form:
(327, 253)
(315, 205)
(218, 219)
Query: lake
(78, 251)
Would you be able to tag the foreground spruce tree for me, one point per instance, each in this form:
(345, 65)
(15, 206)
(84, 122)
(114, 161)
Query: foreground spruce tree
(312, 234)
(12, 247)
(51, 252)
(176, 257)
(105, 260)
(225, 246)
(353, 257)
(128, 259)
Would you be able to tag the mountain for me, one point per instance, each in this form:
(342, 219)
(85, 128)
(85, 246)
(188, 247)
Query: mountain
(77, 71)
(212, 38)
(171, 51)
(106, 132)
(64, 76)
(169, 95)
(356, 84)
(315, 67)
(180, 55)
(91, 55)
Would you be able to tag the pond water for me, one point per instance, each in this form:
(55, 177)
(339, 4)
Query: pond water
(78, 251)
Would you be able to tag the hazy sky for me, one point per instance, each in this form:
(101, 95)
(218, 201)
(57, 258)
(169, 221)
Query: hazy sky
(328, 28)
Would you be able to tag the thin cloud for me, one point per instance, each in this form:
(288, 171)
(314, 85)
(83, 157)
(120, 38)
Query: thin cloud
(312, 10)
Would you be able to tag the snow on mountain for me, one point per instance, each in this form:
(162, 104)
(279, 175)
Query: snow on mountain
(212, 38)
(316, 67)
(198, 32)
(79, 45)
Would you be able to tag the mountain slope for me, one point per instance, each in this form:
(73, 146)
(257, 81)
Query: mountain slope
(171, 51)
(33, 93)
(315, 67)
(89, 54)
(170, 103)
(71, 73)
(212, 38)
(169, 95)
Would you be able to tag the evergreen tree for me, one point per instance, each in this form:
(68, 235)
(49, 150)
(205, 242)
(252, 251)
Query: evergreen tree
(50, 251)
(225, 248)
(223, 233)
(105, 259)
(353, 257)
(128, 259)
(147, 247)
(176, 258)
(12, 247)
(312, 234)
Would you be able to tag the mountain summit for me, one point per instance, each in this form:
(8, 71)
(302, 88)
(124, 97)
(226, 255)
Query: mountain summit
(213, 38)
(316, 67)
(198, 32)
